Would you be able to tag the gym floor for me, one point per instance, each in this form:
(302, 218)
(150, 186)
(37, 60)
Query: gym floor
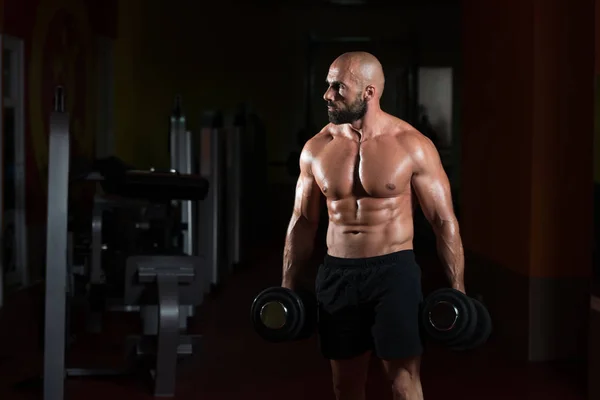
(234, 363)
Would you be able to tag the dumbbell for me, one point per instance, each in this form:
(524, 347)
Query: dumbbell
(455, 320)
(282, 315)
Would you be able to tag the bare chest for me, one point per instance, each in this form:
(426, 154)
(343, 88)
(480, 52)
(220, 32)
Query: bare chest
(371, 169)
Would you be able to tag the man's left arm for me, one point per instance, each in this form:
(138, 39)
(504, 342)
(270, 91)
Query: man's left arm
(432, 189)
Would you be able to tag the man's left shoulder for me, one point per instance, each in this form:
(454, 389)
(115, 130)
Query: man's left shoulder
(417, 146)
(411, 139)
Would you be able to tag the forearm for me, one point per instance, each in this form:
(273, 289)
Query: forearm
(298, 250)
(450, 251)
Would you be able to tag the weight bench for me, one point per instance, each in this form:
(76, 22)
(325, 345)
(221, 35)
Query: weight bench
(166, 289)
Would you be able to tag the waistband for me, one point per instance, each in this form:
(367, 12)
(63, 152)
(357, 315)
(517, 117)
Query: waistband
(398, 257)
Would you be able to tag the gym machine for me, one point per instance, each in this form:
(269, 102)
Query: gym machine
(179, 280)
(162, 288)
(120, 227)
(215, 229)
(224, 217)
(217, 153)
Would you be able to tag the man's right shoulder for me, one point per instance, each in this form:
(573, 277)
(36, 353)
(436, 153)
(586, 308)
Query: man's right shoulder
(314, 146)
(320, 140)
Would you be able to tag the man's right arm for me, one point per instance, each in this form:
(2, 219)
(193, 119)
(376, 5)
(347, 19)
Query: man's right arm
(302, 229)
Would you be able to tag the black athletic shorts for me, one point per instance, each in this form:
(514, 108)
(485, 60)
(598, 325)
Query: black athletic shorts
(370, 304)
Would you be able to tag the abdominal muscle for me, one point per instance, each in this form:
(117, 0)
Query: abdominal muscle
(369, 227)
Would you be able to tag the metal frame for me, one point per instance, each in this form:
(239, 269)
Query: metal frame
(178, 124)
(187, 206)
(56, 254)
(210, 218)
(216, 194)
(181, 161)
(17, 102)
(95, 273)
(234, 191)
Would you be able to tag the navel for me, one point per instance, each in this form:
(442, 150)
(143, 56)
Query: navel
(390, 186)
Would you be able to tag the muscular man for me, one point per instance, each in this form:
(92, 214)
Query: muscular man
(368, 164)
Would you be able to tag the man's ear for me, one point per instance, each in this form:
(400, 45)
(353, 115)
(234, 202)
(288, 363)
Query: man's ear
(369, 92)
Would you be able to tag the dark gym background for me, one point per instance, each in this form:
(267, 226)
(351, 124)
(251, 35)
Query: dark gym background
(524, 107)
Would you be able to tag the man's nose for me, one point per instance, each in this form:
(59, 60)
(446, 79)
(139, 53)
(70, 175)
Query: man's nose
(328, 96)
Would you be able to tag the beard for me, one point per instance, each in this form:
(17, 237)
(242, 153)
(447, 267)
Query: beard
(353, 112)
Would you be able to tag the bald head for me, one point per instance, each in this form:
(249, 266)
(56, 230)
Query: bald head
(355, 84)
(363, 68)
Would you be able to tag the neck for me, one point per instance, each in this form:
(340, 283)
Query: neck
(367, 127)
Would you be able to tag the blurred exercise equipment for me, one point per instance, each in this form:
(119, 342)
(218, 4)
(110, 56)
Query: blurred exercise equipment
(154, 242)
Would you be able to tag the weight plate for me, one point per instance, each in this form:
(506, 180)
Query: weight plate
(290, 314)
(466, 335)
(482, 330)
(458, 301)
